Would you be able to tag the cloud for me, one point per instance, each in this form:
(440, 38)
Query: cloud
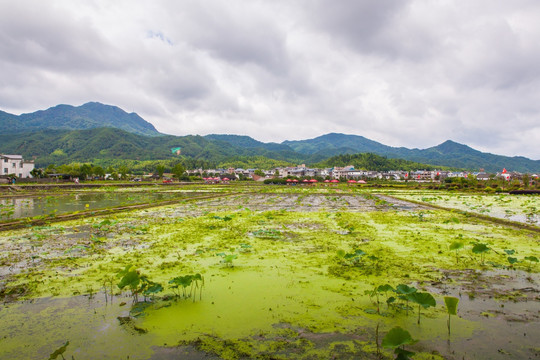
(405, 73)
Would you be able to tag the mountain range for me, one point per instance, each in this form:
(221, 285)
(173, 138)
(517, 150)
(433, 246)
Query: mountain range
(96, 131)
(66, 117)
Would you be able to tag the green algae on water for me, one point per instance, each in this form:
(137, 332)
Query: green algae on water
(291, 293)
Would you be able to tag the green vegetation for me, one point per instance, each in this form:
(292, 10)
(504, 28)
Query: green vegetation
(456, 246)
(424, 300)
(59, 352)
(137, 283)
(194, 282)
(451, 307)
(396, 339)
(480, 249)
(522, 208)
(373, 162)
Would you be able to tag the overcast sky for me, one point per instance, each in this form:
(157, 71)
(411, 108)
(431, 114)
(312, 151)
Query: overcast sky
(404, 73)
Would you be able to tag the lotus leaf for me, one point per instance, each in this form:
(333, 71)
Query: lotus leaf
(397, 337)
(451, 304)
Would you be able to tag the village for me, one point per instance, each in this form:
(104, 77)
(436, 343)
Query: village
(349, 173)
(15, 168)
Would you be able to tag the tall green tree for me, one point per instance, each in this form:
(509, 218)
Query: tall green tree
(51, 169)
(526, 179)
(160, 169)
(85, 171)
(37, 173)
(98, 171)
(123, 171)
(178, 171)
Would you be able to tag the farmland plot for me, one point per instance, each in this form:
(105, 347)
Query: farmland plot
(521, 208)
(301, 275)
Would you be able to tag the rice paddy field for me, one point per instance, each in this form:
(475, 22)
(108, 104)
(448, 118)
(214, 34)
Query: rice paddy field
(521, 208)
(277, 272)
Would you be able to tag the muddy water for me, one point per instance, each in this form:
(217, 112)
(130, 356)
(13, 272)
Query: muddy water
(506, 305)
(39, 327)
(20, 207)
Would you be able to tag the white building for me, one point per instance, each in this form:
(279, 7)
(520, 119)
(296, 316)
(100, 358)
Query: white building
(15, 165)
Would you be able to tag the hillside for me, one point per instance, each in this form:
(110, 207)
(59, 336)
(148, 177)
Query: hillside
(336, 144)
(369, 161)
(246, 142)
(454, 154)
(93, 131)
(66, 117)
(449, 153)
(63, 146)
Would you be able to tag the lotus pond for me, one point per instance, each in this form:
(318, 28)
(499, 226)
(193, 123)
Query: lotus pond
(312, 273)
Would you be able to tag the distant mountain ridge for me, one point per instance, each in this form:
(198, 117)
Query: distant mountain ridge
(335, 142)
(90, 145)
(81, 134)
(66, 117)
(449, 153)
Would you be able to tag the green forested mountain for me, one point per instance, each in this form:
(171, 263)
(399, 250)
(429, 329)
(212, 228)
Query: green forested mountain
(458, 155)
(369, 161)
(101, 144)
(62, 146)
(105, 146)
(336, 144)
(272, 150)
(247, 142)
(94, 131)
(67, 117)
(448, 153)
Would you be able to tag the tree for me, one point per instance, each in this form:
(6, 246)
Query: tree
(526, 179)
(37, 173)
(178, 171)
(124, 171)
(160, 169)
(51, 169)
(259, 172)
(98, 171)
(85, 171)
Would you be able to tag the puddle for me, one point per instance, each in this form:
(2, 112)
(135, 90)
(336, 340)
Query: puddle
(21, 207)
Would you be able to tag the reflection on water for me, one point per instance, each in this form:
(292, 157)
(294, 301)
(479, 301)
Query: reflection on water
(14, 208)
